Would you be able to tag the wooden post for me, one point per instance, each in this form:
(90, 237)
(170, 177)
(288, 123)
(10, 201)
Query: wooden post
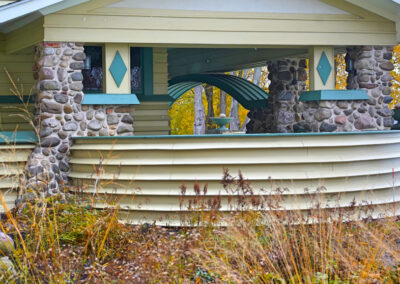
(322, 64)
(111, 52)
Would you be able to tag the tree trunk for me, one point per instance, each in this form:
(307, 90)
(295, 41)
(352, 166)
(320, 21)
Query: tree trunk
(199, 126)
(234, 113)
(256, 81)
(210, 113)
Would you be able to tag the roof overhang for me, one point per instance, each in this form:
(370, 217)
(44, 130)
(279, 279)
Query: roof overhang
(20, 13)
(389, 9)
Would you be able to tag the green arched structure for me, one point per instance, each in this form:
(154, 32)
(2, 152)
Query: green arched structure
(246, 93)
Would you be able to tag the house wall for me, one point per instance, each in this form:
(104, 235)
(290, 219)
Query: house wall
(95, 21)
(19, 66)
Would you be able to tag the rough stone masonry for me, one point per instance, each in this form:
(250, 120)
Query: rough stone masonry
(60, 115)
(285, 113)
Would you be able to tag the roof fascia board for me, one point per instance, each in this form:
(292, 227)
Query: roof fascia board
(384, 8)
(22, 8)
(61, 6)
(12, 25)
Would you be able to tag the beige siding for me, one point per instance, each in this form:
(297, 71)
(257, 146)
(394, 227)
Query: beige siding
(94, 22)
(160, 71)
(144, 175)
(12, 163)
(16, 117)
(151, 118)
(19, 67)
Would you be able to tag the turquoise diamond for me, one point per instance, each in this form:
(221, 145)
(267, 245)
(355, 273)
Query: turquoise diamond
(118, 69)
(324, 68)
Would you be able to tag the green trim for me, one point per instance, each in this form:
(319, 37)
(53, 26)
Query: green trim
(148, 82)
(334, 95)
(242, 135)
(12, 99)
(110, 99)
(12, 137)
(155, 98)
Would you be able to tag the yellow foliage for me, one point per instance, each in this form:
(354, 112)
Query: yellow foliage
(396, 77)
(341, 74)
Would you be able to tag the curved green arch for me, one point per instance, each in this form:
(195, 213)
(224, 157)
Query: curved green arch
(245, 92)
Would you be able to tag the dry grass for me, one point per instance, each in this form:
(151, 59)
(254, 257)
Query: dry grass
(60, 242)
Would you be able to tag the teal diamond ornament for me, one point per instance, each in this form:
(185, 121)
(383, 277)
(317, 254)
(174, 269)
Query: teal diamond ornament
(324, 68)
(118, 69)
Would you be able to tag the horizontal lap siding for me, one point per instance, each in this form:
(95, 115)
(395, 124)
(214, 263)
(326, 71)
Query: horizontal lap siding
(12, 162)
(177, 27)
(19, 66)
(144, 176)
(151, 118)
(160, 71)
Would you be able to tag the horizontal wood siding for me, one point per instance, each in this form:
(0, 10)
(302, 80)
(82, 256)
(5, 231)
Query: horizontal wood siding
(16, 117)
(12, 161)
(160, 70)
(19, 66)
(151, 118)
(144, 175)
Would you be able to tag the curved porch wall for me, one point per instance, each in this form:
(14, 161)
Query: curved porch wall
(144, 175)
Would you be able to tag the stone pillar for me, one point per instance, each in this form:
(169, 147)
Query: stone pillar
(61, 115)
(372, 66)
(288, 80)
(58, 113)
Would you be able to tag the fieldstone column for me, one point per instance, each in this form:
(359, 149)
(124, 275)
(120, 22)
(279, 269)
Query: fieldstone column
(61, 115)
(58, 113)
(372, 67)
(288, 80)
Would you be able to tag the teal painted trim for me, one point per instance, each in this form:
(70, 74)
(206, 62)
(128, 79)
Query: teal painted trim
(241, 135)
(118, 69)
(155, 98)
(324, 68)
(334, 95)
(148, 81)
(110, 99)
(12, 137)
(11, 99)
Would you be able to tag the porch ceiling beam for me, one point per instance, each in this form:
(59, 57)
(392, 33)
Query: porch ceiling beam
(195, 60)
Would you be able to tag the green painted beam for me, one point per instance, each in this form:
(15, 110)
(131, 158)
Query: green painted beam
(183, 61)
(334, 95)
(110, 99)
(12, 99)
(17, 137)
